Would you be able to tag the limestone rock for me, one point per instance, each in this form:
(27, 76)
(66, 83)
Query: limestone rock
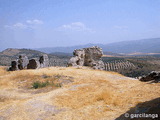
(14, 66)
(92, 55)
(78, 58)
(153, 76)
(22, 62)
(80, 53)
(44, 61)
(19, 64)
(88, 57)
(98, 65)
(33, 64)
(73, 61)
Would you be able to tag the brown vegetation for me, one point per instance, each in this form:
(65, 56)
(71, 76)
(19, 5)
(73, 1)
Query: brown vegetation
(89, 94)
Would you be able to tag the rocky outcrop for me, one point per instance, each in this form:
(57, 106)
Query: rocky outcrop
(44, 61)
(19, 64)
(23, 63)
(33, 64)
(154, 76)
(14, 66)
(78, 58)
(88, 57)
(93, 57)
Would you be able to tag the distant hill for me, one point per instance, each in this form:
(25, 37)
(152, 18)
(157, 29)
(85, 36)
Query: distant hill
(144, 46)
(111, 54)
(16, 52)
(10, 54)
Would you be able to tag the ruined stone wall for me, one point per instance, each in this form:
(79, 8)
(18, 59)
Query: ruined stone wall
(23, 63)
(88, 57)
(44, 61)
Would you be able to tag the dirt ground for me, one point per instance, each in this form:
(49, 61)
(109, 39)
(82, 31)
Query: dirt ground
(84, 94)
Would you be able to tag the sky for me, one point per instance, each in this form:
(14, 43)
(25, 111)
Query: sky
(53, 23)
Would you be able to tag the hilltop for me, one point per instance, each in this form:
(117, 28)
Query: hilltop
(74, 93)
(16, 52)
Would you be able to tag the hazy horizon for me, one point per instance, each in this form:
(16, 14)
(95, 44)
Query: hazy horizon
(56, 23)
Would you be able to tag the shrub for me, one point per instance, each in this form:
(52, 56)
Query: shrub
(38, 84)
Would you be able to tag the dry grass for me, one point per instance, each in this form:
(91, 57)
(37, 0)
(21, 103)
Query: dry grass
(25, 78)
(3, 71)
(93, 94)
(108, 89)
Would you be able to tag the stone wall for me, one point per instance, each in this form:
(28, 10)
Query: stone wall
(44, 61)
(22, 62)
(14, 66)
(33, 64)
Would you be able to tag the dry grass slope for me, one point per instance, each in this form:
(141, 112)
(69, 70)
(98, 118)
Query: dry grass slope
(92, 94)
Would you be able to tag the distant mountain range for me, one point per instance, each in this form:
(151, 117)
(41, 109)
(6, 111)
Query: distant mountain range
(134, 46)
(60, 55)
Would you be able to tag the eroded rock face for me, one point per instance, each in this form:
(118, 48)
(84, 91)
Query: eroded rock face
(33, 64)
(44, 61)
(88, 57)
(98, 65)
(73, 61)
(78, 58)
(92, 54)
(22, 62)
(19, 64)
(14, 66)
(154, 76)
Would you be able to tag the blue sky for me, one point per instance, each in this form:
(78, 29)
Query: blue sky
(51, 23)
